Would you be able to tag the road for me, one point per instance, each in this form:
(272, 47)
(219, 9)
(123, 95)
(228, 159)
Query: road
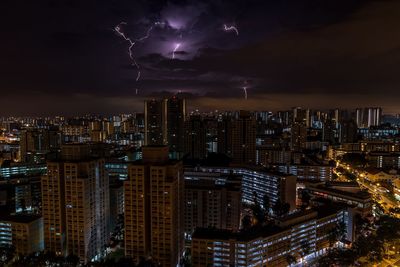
(374, 190)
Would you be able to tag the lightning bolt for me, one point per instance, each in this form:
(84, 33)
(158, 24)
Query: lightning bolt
(132, 43)
(175, 49)
(231, 28)
(245, 92)
(149, 30)
(119, 31)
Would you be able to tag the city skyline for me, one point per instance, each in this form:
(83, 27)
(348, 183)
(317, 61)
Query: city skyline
(196, 133)
(174, 188)
(67, 58)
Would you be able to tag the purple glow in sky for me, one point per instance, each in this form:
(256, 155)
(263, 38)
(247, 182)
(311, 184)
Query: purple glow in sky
(315, 50)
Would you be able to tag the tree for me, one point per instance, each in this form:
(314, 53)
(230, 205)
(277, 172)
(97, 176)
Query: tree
(246, 222)
(7, 253)
(388, 228)
(280, 208)
(258, 211)
(266, 203)
(277, 208)
(71, 260)
(305, 248)
(337, 257)
(305, 199)
(354, 159)
(337, 233)
(290, 259)
(369, 246)
(285, 208)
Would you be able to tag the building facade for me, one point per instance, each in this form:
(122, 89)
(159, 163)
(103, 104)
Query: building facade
(23, 232)
(75, 195)
(212, 200)
(256, 182)
(176, 109)
(154, 208)
(300, 235)
(244, 139)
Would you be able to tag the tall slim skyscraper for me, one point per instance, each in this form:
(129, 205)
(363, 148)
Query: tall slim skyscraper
(75, 195)
(225, 136)
(155, 115)
(35, 143)
(348, 132)
(244, 139)
(164, 123)
(154, 207)
(302, 116)
(298, 136)
(195, 137)
(176, 115)
(367, 117)
(328, 131)
(53, 208)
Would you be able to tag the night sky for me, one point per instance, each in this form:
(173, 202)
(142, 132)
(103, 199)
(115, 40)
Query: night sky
(64, 57)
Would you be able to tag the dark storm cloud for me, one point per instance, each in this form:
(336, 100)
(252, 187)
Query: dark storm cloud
(67, 52)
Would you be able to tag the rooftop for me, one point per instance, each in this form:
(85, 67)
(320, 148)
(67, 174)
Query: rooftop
(267, 230)
(21, 218)
(329, 187)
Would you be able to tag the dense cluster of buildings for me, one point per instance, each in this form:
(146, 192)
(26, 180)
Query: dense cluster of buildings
(186, 181)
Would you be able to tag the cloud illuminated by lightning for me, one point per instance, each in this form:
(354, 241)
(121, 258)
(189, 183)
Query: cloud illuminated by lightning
(231, 28)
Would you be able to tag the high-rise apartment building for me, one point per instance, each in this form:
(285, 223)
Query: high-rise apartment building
(302, 116)
(53, 208)
(165, 122)
(256, 182)
(328, 131)
(155, 126)
(23, 232)
(244, 139)
(285, 117)
(224, 136)
(212, 200)
(348, 132)
(298, 235)
(195, 138)
(176, 115)
(367, 117)
(298, 136)
(75, 195)
(154, 207)
(35, 143)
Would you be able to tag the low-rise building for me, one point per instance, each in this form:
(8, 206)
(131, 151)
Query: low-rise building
(379, 175)
(342, 192)
(212, 200)
(300, 235)
(24, 232)
(257, 182)
(383, 160)
(309, 172)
